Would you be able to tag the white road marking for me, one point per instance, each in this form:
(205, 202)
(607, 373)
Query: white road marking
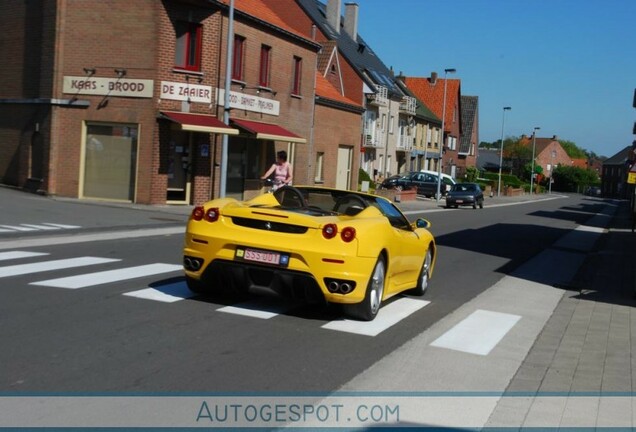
(18, 228)
(62, 225)
(99, 278)
(44, 226)
(479, 333)
(19, 254)
(168, 293)
(592, 229)
(256, 309)
(388, 316)
(20, 269)
(49, 241)
(41, 227)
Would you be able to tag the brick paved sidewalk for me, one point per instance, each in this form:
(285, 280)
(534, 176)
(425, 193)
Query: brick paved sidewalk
(585, 357)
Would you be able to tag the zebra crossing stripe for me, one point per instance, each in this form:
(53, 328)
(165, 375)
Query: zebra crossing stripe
(388, 316)
(41, 227)
(103, 277)
(18, 228)
(168, 293)
(479, 333)
(62, 225)
(20, 269)
(19, 254)
(256, 309)
(45, 226)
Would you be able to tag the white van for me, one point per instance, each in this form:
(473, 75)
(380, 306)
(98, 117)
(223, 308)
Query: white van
(447, 181)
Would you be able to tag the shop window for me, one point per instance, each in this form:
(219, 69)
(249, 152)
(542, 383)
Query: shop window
(238, 58)
(110, 161)
(188, 47)
(298, 63)
(263, 79)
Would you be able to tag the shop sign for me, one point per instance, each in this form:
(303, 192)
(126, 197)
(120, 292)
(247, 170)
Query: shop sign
(186, 92)
(115, 87)
(250, 103)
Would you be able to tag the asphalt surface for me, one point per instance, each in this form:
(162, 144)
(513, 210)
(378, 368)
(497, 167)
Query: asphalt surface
(578, 370)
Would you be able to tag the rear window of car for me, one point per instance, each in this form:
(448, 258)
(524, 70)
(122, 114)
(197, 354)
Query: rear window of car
(463, 187)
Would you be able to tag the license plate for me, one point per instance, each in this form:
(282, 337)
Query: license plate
(262, 256)
(459, 201)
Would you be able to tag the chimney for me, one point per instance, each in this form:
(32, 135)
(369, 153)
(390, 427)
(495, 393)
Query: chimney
(351, 20)
(433, 77)
(333, 14)
(555, 138)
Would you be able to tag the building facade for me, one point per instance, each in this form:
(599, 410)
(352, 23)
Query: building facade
(124, 101)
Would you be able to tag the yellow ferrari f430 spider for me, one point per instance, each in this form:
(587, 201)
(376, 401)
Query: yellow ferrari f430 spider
(310, 243)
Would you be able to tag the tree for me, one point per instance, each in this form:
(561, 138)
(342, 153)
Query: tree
(573, 179)
(516, 154)
(574, 151)
(471, 174)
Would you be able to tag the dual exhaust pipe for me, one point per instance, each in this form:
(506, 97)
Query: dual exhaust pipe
(340, 287)
(192, 264)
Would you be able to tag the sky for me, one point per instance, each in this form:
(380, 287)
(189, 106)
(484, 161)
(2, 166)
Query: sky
(566, 66)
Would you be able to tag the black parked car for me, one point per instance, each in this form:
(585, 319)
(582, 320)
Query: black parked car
(593, 191)
(463, 194)
(426, 184)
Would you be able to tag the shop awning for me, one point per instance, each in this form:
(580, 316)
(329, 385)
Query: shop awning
(268, 131)
(199, 123)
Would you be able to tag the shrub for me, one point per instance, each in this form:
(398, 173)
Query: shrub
(363, 176)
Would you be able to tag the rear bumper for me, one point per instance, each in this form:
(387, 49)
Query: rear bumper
(242, 277)
(460, 201)
(306, 277)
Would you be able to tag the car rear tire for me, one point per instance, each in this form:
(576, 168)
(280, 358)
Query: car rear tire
(194, 285)
(481, 204)
(425, 275)
(368, 308)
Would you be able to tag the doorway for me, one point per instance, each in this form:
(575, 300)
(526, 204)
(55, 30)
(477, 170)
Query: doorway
(179, 168)
(343, 168)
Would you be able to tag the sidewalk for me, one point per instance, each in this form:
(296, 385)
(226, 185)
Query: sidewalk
(585, 357)
(431, 203)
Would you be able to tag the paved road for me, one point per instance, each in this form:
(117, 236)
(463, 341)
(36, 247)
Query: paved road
(113, 314)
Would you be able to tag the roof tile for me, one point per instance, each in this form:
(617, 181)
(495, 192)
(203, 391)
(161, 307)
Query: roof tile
(432, 94)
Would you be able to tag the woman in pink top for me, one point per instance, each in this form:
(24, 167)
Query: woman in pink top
(282, 171)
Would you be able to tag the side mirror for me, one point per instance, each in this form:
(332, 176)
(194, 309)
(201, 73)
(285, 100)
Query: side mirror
(422, 223)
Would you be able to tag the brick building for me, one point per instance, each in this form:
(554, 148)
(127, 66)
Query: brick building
(431, 91)
(548, 153)
(123, 100)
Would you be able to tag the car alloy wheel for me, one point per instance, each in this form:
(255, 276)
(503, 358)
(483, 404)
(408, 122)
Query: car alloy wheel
(424, 277)
(368, 308)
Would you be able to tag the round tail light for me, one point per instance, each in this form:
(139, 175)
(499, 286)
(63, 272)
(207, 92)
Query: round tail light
(212, 215)
(329, 231)
(197, 213)
(348, 234)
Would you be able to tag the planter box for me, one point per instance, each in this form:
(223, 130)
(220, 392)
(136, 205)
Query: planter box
(396, 195)
(510, 191)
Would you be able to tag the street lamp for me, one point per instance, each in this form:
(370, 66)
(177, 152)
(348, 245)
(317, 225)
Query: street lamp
(503, 122)
(534, 141)
(441, 147)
